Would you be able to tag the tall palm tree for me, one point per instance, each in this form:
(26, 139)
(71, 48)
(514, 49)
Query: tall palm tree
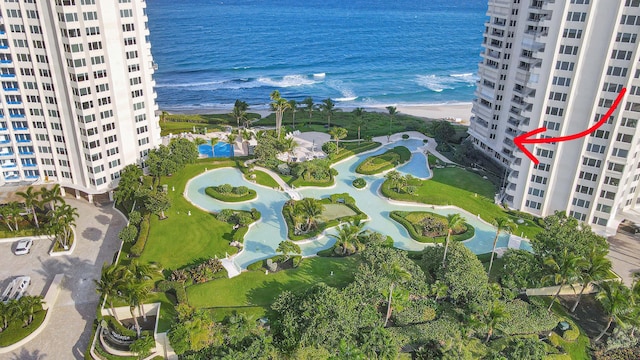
(142, 273)
(359, 121)
(501, 224)
(135, 293)
(494, 318)
(327, 106)
(397, 275)
(308, 102)
(239, 111)
(231, 140)
(453, 221)
(62, 219)
(614, 298)
(634, 316)
(338, 133)
(163, 116)
(52, 196)
(392, 113)
(8, 312)
(111, 281)
(31, 202)
(563, 269)
(279, 105)
(597, 268)
(293, 106)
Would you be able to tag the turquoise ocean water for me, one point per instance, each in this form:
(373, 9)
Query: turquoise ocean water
(358, 52)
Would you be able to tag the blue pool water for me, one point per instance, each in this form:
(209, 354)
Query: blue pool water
(220, 149)
(263, 238)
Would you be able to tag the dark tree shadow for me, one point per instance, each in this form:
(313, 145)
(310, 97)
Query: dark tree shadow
(102, 219)
(25, 354)
(92, 234)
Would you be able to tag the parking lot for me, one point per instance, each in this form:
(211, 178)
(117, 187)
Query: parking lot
(21, 265)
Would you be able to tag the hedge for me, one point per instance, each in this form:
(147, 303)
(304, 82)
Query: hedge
(230, 197)
(256, 266)
(346, 152)
(176, 287)
(397, 216)
(118, 327)
(239, 233)
(143, 235)
(388, 160)
(359, 183)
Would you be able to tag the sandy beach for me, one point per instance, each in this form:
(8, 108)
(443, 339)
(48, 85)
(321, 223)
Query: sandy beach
(455, 111)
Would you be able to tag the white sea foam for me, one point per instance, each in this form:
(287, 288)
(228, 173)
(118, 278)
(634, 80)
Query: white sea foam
(343, 99)
(439, 83)
(319, 75)
(287, 81)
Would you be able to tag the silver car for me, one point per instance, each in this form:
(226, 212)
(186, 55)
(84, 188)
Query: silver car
(23, 247)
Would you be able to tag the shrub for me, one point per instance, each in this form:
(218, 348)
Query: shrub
(135, 217)
(114, 325)
(235, 194)
(224, 188)
(405, 136)
(527, 318)
(359, 183)
(571, 335)
(143, 234)
(401, 217)
(296, 261)
(128, 234)
(329, 147)
(240, 190)
(176, 288)
(258, 265)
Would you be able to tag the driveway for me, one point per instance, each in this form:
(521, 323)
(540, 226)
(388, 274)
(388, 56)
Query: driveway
(624, 253)
(24, 265)
(68, 333)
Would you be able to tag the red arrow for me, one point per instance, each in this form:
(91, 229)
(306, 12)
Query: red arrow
(520, 140)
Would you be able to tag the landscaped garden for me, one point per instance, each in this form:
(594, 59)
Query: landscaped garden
(228, 193)
(365, 299)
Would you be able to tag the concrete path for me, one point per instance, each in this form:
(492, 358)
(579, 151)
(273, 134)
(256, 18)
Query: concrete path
(68, 333)
(429, 146)
(624, 253)
(293, 194)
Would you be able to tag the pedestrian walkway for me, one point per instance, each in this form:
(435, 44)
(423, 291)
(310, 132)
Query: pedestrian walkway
(293, 194)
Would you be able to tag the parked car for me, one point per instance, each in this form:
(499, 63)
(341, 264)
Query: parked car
(23, 247)
(16, 288)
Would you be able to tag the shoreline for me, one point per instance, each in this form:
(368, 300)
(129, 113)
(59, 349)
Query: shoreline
(448, 111)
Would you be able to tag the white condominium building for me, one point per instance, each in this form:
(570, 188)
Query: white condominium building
(77, 102)
(560, 64)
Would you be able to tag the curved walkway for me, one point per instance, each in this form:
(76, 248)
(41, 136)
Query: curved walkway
(293, 194)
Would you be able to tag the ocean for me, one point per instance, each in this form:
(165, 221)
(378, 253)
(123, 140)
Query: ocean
(356, 52)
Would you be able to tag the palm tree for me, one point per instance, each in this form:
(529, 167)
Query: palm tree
(110, 283)
(312, 209)
(51, 196)
(10, 213)
(563, 270)
(135, 293)
(393, 177)
(494, 318)
(293, 105)
(279, 105)
(289, 144)
(453, 221)
(597, 268)
(327, 106)
(31, 202)
(8, 312)
(338, 133)
(62, 219)
(231, 140)
(163, 116)
(287, 248)
(239, 111)
(614, 298)
(28, 306)
(501, 224)
(359, 121)
(308, 102)
(392, 113)
(348, 233)
(397, 275)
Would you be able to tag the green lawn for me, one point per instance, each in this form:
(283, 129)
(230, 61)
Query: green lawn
(385, 161)
(16, 332)
(464, 189)
(254, 288)
(265, 179)
(169, 244)
(179, 127)
(335, 211)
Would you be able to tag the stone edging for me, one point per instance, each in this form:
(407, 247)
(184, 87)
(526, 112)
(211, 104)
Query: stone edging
(50, 297)
(18, 238)
(65, 252)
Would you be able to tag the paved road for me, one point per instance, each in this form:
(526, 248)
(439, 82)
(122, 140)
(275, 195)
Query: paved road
(68, 333)
(624, 253)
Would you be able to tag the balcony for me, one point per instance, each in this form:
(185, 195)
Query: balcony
(8, 165)
(11, 177)
(16, 115)
(20, 128)
(5, 154)
(8, 75)
(5, 141)
(29, 165)
(14, 102)
(9, 89)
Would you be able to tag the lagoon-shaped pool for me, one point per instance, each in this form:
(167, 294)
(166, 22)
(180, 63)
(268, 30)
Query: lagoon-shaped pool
(263, 237)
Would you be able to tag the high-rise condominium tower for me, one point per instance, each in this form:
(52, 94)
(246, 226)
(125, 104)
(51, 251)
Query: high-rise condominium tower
(77, 100)
(560, 64)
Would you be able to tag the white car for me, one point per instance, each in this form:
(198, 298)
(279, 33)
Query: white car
(16, 289)
(23, 247)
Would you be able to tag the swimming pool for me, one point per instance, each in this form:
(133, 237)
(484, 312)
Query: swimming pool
(263, 238)
(220, 149)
